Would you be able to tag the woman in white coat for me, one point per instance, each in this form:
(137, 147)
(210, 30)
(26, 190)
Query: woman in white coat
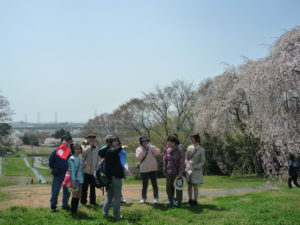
(195, 159)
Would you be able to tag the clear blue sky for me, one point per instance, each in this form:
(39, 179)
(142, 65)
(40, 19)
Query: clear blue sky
(72, 57)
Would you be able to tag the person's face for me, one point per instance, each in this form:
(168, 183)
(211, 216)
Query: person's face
(115, 143)
(171, 144)
(145, 143)
(78, 150)
(69, 141)
(91, 140)
(193, 140)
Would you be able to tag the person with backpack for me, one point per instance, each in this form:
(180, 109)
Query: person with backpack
(114, 172)
(91, 159)
(147, 153)
(58, 163)
(76, 173)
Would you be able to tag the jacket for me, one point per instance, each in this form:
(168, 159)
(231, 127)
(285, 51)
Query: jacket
(73, 167)
(195, 160)
(150, 163)
(113, 167)
(293, 168)
(90, 159)
(173, 160)
(57, 162)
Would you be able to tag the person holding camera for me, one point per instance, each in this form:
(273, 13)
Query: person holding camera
(90, 159)
(147, 153)
(114, 172)
(58, 162)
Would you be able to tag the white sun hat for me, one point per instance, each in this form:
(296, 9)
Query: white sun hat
(179, 183)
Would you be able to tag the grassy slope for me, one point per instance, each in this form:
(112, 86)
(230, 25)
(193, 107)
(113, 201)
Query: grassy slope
(14, 172)
(272, 207)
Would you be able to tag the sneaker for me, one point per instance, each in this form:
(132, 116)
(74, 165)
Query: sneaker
(155, 200)
(66, 208)
(123, 200)
(143, 201)
(119, 217)
(177, 205)
(169, 204)
(190, 202)
(53, 210)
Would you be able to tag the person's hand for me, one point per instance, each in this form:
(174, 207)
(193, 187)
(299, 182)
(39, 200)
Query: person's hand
(125, 147)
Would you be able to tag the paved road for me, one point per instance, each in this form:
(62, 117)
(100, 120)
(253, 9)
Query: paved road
(36, 173)
(37, 163)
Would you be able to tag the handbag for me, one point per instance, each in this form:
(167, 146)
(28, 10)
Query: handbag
(68, 181)
(139, 164)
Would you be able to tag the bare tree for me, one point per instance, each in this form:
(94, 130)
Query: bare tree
(135, 115)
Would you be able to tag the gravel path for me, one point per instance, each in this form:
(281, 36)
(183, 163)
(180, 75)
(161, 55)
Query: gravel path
(0, 166)
(212, 193)
(36, 173)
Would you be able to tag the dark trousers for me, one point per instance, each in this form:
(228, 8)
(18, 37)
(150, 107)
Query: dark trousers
(89, 180)
(56, 186)
(153, 177)
(171, 190)
(294, 179)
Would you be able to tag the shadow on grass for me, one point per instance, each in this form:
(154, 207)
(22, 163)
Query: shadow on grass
(130, 217)
(184, 206)
(92, 207)
(81, 215)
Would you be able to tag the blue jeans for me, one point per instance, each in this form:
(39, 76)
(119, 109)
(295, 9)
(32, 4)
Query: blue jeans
(113, 193)
(56, 185)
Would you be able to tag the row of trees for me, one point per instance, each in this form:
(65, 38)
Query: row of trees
(248, 117)
(157, 114)
(5, 113)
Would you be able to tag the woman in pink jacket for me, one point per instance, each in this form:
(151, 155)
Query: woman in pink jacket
(147, 153)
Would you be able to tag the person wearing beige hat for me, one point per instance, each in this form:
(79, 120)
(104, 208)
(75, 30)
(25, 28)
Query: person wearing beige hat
(90, 158)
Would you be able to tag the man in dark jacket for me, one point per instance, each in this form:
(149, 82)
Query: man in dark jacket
(59, 167)
(293, 171)
(114, 171)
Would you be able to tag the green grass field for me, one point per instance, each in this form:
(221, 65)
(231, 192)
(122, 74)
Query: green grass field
(266, 208)
(45, 150)
(15, 166)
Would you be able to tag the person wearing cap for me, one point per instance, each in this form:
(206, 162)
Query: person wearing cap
(114, 172)
(59, 167)
(195, 159)
(147, 153)
(90, 159)
(173, 168)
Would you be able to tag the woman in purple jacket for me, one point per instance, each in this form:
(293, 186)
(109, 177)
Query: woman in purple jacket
(173, 167)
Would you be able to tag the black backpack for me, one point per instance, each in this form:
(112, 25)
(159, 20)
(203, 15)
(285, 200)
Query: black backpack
(101, 179)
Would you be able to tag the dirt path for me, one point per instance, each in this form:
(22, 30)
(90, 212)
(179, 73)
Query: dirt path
(39, 195)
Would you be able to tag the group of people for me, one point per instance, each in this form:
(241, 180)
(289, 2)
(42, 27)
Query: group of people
(178, 165)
